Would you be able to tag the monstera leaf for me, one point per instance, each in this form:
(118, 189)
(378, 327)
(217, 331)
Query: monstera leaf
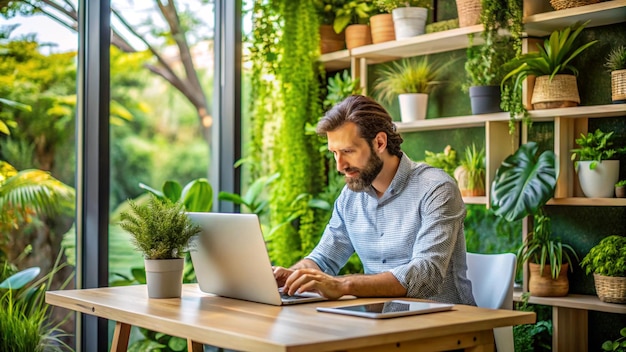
(523, 183)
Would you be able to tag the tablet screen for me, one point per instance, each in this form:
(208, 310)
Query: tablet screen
(383, 307)
(388, 309)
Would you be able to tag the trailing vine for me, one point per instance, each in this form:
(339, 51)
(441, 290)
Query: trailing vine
(286, 52)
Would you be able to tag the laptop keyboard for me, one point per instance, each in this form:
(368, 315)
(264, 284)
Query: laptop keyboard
(287, 297)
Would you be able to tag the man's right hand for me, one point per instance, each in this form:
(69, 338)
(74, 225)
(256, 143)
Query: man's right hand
(281, 274)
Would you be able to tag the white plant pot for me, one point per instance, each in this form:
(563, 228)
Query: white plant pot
(413, 106)
(599, 182)
(409, 21)
(164, 277)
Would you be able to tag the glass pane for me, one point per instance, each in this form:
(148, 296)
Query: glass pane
(37, 166)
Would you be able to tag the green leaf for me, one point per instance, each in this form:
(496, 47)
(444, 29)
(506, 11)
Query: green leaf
(198, 195)
(156, 192)
(172, 190)
(20, 279)
(230, 197)
(523, 183)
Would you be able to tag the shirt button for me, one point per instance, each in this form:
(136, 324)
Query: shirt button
(384, 261)
(381, 234)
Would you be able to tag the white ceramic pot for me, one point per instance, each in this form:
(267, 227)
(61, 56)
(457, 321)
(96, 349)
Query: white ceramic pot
(409, 21)
(413, 106)
(599, 182)
(164, 277)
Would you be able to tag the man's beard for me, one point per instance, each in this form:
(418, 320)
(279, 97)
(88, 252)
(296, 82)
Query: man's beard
(366, 175)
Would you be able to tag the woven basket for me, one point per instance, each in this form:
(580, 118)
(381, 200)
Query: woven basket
(610, 289)
(469, 12)
(618, 85)
(566, 4)
(560, 92)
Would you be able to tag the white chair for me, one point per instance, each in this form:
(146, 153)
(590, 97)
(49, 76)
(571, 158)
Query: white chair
(492, 277)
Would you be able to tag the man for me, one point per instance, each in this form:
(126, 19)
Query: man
(403, 219)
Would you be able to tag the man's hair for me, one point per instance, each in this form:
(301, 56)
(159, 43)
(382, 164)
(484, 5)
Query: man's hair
(370, 118)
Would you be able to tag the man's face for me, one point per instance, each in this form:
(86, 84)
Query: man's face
(355, 157)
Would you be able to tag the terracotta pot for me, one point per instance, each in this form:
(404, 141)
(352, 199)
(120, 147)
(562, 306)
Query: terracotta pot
(358, 35)
(543, 285)
(331, 41)
(382, 28)
(620, 191)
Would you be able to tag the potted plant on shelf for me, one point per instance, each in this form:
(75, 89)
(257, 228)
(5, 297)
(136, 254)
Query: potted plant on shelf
(484, 69)
(354, 16)
(409, 16)
(330, 40)
(523, 184)
(446, 160)
(607, 262)
(411, 80)
(597, 174)
(381, 23)
(470, 175)
(160, 229)
(620, 189)
(616, 64)
(555, 84)
(566, 4)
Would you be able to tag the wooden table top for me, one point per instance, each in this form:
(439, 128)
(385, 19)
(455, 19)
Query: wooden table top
(243, 325)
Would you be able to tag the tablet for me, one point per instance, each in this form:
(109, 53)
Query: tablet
(388, 309)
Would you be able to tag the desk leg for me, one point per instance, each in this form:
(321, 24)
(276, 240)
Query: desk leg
(120, 337)
(569, 331)
(194, 346)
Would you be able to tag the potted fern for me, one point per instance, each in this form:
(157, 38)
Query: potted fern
(607, 262)
(411, 80)
(160, 230)
(616, 64)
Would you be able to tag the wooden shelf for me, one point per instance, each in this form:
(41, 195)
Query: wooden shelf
(600, 14)
(424, 44)
(595, 202)
(542, 24)
(337, 60)
(595, 111)
(475, 200)
(587, 302)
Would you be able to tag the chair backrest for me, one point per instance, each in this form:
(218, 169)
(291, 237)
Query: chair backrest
(492, 277)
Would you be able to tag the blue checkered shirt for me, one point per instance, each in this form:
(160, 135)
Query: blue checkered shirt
(414, 231)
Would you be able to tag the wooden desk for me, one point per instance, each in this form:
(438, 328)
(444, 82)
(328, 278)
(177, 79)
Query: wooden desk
(242, 325)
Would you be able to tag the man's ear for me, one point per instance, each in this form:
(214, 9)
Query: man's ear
(380, 142)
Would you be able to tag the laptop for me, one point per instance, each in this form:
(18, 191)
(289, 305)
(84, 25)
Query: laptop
(230, 259)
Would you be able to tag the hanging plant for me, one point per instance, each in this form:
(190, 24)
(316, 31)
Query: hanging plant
(286, 99)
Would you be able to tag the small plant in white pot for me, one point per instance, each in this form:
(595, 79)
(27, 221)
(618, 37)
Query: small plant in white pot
(411, 80)
(160, 229)
(597, 174)
(409, 16)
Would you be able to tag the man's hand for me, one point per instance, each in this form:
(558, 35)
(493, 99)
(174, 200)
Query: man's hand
(281, 274)
(312, 280)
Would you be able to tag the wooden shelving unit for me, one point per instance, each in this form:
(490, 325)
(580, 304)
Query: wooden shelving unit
(570, 312)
